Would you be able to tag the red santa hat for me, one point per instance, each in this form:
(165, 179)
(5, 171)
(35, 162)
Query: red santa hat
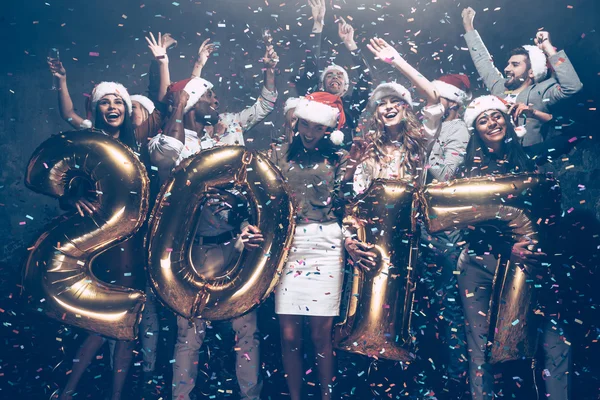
(336, 68)
(325, 109)
(485, 103)
(389, 89)
(537, 58)
(454, 87)
(144, 101)
(195, 87)
(105, 88)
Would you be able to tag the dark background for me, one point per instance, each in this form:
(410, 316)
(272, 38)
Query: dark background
(427, 32)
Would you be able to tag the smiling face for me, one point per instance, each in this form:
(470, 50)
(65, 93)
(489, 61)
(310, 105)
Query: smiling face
(391, 110)
(206, 108)
(112, 109)
(518, 72)
(334, 82)
(310, 133)
(491, 128)
(138, 114)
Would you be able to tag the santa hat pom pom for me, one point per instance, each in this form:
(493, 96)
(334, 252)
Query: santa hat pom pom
(520, 131)
(337, 137)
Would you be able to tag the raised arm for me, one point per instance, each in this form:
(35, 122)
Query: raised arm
(568, 80)
(492, 78)
(386, 53)
(165, 149)
(310, 77)
(65, 104)
(204, 52)
(360, 92)
(265, 103)
(159, 51)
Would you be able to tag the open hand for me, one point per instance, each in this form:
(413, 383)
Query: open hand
(525, 250)
(318, 13)
(251, 237)
(346, 33)
(158, 51)
(204, 51)
(383, 51)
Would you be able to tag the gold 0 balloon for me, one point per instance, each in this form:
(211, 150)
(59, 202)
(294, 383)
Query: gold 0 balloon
(378, 317)
(58, 280)
(179, 282)
(527, 204)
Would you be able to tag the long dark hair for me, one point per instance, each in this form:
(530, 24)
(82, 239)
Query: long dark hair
(126, 131)
(478, 153)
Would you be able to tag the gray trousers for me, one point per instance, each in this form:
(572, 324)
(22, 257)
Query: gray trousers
(190, 335)
(475, 284)
(149, 330)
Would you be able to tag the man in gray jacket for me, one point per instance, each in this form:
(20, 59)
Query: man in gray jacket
(525, 84)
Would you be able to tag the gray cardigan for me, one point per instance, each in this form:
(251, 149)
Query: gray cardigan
(542, 96)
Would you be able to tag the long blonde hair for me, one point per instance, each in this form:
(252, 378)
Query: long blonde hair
(411, 139)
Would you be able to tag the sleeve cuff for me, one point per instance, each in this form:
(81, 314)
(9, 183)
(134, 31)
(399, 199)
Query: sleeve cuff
(268, 95)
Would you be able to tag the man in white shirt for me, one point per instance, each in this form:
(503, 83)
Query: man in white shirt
(196, 125)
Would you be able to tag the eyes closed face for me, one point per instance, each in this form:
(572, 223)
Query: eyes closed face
(310, 133)
(392, 110)
(112, 109)
(491, 127)
(334, 82)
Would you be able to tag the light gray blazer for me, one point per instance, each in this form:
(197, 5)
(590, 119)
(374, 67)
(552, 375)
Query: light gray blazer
(542, 96)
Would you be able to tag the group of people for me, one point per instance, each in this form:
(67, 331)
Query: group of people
(334, 144)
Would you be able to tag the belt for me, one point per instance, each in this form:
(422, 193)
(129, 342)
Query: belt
(218, 239)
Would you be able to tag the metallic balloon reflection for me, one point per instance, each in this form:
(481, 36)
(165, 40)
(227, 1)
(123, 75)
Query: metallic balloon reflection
(377, 322)
(58, 280)
(526, 204)
(186, 287)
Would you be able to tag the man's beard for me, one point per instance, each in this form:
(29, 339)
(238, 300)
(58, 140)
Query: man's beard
(516, 82)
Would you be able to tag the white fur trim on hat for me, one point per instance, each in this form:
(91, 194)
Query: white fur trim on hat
(104, 88)
(538, 62)
(451, 92)
(290, 103)
(482, 104)
(144, 101)
(389, 89)
(334, 67)
(316, 112)
(196, 88)
(486, 103)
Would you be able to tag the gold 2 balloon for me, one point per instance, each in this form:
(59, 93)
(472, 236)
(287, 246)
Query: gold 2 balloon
(526, 205)
(184, 284)
(58, 279)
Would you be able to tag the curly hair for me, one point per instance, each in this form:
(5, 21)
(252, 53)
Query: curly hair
(411, 140)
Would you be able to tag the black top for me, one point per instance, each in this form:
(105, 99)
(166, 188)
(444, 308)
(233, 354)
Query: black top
(354, 102)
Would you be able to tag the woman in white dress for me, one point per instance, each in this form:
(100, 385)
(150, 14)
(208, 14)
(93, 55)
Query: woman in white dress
(310, 285)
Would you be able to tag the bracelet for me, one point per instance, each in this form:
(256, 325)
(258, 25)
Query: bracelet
(159, 57)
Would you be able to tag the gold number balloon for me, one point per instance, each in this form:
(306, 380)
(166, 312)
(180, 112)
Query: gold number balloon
(526, 204)
(182, 284)
(378, 317)
(58, 279)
